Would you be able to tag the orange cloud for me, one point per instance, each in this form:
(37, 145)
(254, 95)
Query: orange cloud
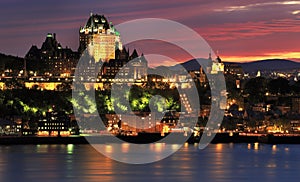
(277, 55)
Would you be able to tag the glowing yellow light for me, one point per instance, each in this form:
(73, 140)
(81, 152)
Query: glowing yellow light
(158, 147)
(125, 147)
(70, 148)
(186, 144)
(274, 147)
(108, 149)
(175, 146)
(219, 147)
(256, 145)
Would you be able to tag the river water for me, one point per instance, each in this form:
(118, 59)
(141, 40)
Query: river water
(217, 162)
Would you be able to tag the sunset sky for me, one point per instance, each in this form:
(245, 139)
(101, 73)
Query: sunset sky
(239, 30)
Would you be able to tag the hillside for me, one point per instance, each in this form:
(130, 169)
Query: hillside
(10, 62)
(270, 65)
(191, 64)
(250, 67)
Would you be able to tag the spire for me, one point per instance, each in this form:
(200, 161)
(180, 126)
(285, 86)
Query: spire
(134, 54)
(218, 59)
(92, 22)
(209, 55)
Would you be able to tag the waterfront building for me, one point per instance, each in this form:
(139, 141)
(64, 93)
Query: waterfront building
(7, 127)
(56, 123)
(295, 126)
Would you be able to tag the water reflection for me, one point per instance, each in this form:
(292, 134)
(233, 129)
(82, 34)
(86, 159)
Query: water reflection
(218, 162)
(256, 146)
(125, 147)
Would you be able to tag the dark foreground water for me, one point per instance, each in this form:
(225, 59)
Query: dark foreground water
(218, 162)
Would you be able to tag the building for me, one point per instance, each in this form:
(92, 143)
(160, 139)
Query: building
(295, 125)
(296, 105)
(234, 69)
(106, 57)
(51, 59)
(138, 68)
(54, 124)
(50, 65)
(126, 69)
(217, 66)
(199, 75)
(8, 127)
(100, 37)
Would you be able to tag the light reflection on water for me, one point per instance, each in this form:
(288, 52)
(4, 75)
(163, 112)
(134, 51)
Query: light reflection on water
(218, 162)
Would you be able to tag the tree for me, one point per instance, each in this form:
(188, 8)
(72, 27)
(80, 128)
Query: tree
(14, 84)
(279, 86)
(256, 89)
(295, 88)
(64, 86)
(233, 91)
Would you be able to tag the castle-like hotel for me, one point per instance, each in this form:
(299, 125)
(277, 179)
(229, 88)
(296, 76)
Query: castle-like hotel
(98, 37)
(51, 64)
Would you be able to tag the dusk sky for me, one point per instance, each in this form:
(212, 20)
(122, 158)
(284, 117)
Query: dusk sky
(240, 30)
